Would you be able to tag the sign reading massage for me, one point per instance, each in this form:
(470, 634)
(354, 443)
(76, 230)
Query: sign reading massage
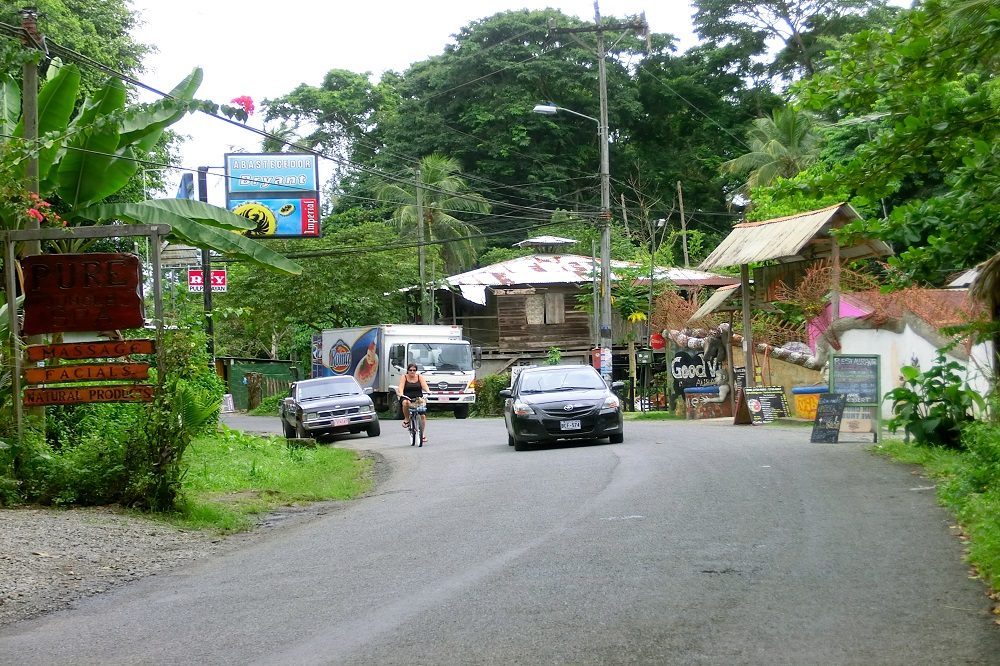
(279, 192)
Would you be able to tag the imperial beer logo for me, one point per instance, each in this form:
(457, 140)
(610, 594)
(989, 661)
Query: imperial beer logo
(340, 357)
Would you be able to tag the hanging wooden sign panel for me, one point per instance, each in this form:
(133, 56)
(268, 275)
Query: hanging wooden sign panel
(96, 349)
(81, 292)
(40, 397)
(86, 372)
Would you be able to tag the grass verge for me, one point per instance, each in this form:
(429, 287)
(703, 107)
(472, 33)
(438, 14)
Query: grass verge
(234, 477)
(968, 485)
(652, 416)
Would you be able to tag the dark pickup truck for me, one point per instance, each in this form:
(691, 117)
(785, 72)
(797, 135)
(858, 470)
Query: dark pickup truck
(327, 406)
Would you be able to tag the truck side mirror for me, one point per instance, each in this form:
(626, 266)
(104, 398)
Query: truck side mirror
(477, 356)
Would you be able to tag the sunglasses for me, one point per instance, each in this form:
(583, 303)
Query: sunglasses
(411, 369)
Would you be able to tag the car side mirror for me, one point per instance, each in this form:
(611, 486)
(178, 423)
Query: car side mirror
(505, 393)
(369, 390)
(617, 386)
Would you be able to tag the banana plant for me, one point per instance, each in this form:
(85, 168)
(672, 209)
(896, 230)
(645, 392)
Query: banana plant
(89, 153)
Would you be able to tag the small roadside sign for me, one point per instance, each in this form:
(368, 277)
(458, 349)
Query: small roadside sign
(196, 280)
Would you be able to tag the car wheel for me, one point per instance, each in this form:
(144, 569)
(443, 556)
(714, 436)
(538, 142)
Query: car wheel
(462, 412)
(300, 432)
(617, 438)
(289, 430)
(520, 446)
(374, 429)
(510, 440)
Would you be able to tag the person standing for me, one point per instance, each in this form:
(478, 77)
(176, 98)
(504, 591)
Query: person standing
(411, 387)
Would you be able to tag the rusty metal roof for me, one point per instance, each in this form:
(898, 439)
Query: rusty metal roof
(793, 238)
(538, 269)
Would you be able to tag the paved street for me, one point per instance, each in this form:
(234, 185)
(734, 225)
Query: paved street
(691, 543)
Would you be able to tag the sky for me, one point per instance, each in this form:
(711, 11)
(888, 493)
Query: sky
(253, 48)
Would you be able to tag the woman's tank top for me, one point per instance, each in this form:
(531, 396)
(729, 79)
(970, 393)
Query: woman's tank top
(412, 389)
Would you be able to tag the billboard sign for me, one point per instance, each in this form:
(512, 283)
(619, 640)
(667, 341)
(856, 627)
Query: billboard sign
(279, 192)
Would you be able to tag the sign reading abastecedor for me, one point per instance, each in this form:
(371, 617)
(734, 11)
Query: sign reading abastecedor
(278, 192)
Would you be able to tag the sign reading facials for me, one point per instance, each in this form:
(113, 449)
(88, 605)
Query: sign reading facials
(279, 192)
(81, 292)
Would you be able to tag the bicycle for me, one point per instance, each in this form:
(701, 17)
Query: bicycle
(416, 424)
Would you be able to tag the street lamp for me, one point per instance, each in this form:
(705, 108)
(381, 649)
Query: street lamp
(551, 109)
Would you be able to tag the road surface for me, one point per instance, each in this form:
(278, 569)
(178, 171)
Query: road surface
(691, 543)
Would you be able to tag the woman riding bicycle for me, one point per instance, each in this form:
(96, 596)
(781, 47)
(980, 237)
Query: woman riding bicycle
(411, 387)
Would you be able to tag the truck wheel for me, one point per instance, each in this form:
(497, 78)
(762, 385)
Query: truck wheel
(397, 410)
(462, 412)
(289, 430)
(374, 429)
(300, 432)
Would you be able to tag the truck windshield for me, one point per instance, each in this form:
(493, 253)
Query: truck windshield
(440, 355)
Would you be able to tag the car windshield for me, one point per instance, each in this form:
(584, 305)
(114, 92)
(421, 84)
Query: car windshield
(571, 379)
(328, 388)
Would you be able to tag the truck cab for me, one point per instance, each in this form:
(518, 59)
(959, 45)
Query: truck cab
(447, 366)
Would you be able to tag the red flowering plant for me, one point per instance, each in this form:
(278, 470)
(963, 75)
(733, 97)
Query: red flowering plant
(19, 207)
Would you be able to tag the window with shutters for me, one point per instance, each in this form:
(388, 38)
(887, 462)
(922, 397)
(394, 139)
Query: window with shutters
(555, 312)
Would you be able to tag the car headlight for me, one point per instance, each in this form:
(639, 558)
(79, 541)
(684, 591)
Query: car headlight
(522, 408)
(366, 409)
(310, 416)
(611, 402)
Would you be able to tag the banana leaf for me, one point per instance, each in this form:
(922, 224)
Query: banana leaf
(202, 212)
(56, 101)
(94, 167)
(142, 128)
(194, 232)
(10, 105)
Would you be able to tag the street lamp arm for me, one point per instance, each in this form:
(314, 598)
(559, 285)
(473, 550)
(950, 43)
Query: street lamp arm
(552, 109)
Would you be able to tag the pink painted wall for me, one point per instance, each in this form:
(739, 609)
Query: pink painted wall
(815, 327)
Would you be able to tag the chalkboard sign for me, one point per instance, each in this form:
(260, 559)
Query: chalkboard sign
(766, 403)
(829, 411)
(856, 377)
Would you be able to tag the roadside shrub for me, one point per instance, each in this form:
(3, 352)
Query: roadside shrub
(932, 406)
(488, 400)
(268, 406)
(982, 444)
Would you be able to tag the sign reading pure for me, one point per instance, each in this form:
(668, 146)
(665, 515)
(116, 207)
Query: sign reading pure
(81, 292)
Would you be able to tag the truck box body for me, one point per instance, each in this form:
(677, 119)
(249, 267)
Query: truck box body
(377, 357)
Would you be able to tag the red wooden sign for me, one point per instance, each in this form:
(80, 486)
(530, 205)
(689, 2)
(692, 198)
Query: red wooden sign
(96, 349)
(86, 372)
(81, 292)
(39, 397)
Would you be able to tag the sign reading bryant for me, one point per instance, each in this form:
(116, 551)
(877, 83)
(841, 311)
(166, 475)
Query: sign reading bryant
(279, 192)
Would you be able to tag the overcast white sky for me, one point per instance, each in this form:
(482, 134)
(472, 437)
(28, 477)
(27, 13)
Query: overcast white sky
(265, 49)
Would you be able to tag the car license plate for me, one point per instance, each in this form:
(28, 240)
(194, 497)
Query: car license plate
(340, 421)
(570, 425)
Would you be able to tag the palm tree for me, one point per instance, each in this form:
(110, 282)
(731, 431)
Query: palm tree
(781, 146)
(444, 194)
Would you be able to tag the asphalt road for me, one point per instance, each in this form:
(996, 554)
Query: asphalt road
(691, 543)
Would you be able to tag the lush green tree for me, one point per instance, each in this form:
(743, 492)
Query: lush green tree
(445, 195)
(804, 28)
(101, 31)
(927, 95)
(781, 145)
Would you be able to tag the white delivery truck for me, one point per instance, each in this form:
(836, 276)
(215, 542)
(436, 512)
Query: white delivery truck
(377, 357)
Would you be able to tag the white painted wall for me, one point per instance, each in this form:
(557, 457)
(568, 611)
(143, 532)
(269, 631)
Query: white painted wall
(899, 349)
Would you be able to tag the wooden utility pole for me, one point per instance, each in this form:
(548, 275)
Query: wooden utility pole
(684, 228)
(421, 250)
(29, 113)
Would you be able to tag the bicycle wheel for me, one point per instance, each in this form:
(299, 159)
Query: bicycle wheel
(418, 433)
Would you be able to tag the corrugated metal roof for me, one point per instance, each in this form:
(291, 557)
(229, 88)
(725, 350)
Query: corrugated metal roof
(562, 269)
(786, 239)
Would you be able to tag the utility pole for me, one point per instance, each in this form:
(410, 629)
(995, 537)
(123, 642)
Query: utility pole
(421, 250)
(605, 173)
(29, 112)
(684, 227)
